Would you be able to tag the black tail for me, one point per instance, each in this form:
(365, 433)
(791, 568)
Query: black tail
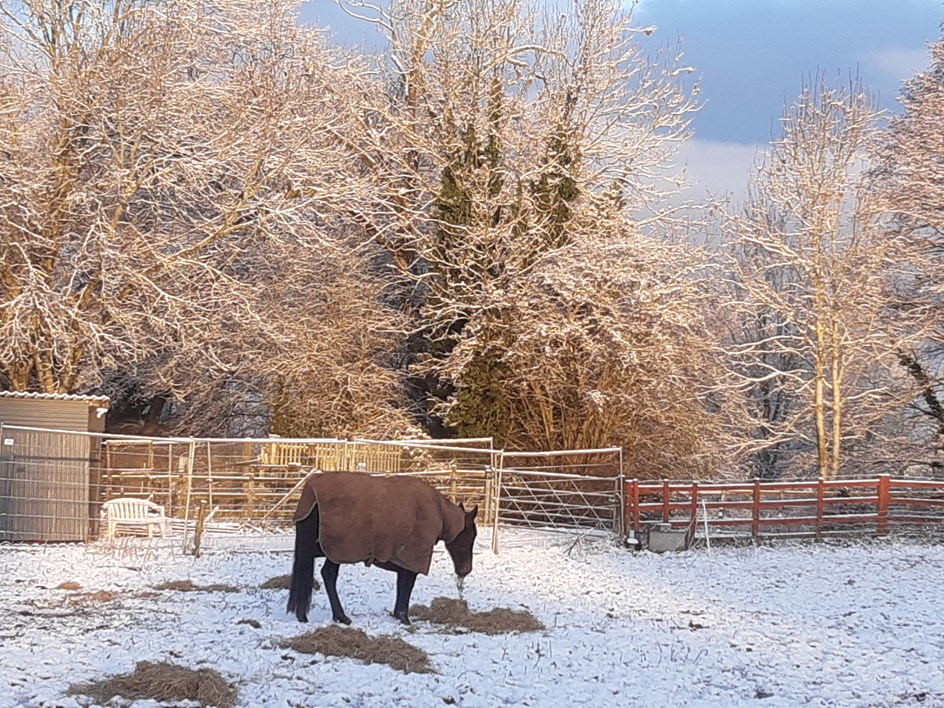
(307, 549)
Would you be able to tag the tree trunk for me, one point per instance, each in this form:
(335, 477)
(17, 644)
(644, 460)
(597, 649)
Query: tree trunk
(837, 401)
(819, 403)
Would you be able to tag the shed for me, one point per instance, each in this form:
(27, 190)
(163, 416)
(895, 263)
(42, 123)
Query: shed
(48, 476)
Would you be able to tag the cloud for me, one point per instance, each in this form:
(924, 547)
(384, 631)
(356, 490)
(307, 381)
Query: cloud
(897, 63)
(719, 169)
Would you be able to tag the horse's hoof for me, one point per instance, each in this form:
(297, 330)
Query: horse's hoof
(403, 618)
(343, 619)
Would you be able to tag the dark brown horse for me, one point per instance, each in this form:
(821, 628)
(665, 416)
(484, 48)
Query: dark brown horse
(391, 522)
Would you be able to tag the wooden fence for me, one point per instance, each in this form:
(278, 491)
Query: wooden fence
(797, 509)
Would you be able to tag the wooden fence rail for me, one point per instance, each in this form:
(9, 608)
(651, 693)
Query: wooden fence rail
(812, 509)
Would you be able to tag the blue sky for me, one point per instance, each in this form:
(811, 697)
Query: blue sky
(753, 55)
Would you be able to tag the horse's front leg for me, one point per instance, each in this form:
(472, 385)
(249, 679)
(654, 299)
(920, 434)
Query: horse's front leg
(329, 572)
(405, 581)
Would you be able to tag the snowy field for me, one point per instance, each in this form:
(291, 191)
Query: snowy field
(793, 625)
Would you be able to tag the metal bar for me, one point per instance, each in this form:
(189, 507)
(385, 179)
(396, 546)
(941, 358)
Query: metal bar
(560, 453)
(557, 475)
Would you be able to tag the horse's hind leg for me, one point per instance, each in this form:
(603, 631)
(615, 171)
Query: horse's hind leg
(405, 581)
(329, 572)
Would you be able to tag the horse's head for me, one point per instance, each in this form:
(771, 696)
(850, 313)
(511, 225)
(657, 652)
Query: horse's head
(460, 548)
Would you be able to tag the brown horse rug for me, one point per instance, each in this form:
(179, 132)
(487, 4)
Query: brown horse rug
(370, 519)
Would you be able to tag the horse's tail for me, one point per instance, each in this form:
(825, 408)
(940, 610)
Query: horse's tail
(303, 569)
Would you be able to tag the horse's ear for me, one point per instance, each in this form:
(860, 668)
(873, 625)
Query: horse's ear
(472, 514)
(462, 507)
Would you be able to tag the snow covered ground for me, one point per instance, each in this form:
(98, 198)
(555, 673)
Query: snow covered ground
(820, 625)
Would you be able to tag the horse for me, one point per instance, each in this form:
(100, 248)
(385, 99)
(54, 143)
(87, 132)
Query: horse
(390, 522)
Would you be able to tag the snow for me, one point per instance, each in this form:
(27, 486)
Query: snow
(820, 625)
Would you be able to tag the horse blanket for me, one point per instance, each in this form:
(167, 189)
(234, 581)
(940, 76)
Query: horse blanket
(371, 519)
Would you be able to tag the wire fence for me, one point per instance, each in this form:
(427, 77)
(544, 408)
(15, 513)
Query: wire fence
(251, 481)
(53, 483)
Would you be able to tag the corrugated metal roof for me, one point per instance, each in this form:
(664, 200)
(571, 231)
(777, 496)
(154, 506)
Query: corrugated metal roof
(102, 401)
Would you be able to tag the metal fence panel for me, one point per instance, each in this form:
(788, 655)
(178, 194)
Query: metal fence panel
(45, 490)
(251, 485)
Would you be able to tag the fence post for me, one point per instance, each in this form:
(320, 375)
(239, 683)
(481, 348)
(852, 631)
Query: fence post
(190, 460)
(210, 474)
(820, 507)
(666, 512)
(109, 477)
(637, 512)
(627, 503)
(498, 483)
(884, 494)
(487, 502)
(621, 501)
(694, 514)
(250, 496)
(755, 511)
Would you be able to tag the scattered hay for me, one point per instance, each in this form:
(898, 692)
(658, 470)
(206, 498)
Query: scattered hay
(356, 644)
(189, 586)
(255, 624)
(284, 582)
(456, 613)
(162, 682)
(82, 598)
(69, 585)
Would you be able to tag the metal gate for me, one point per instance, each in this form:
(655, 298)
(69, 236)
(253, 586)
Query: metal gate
(565, 490)
(45, 491)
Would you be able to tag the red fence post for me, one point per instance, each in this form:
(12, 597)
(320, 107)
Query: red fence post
(694, 511)
(755, 510)
(690, 535)
(884, 496)
(820, 507)
(629, 506)
(665, 501)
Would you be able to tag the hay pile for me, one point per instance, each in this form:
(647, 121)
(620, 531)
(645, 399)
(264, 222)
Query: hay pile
(284, 582)
(356, 644)
(189, 586)
(162, 682)
(456, 613)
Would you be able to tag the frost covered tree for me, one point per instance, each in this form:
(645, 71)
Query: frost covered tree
(817, 287)
(907, 178)
(175, 180)
(535, 158)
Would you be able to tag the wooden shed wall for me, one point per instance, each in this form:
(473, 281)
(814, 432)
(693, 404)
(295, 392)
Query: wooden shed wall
(37, 413)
